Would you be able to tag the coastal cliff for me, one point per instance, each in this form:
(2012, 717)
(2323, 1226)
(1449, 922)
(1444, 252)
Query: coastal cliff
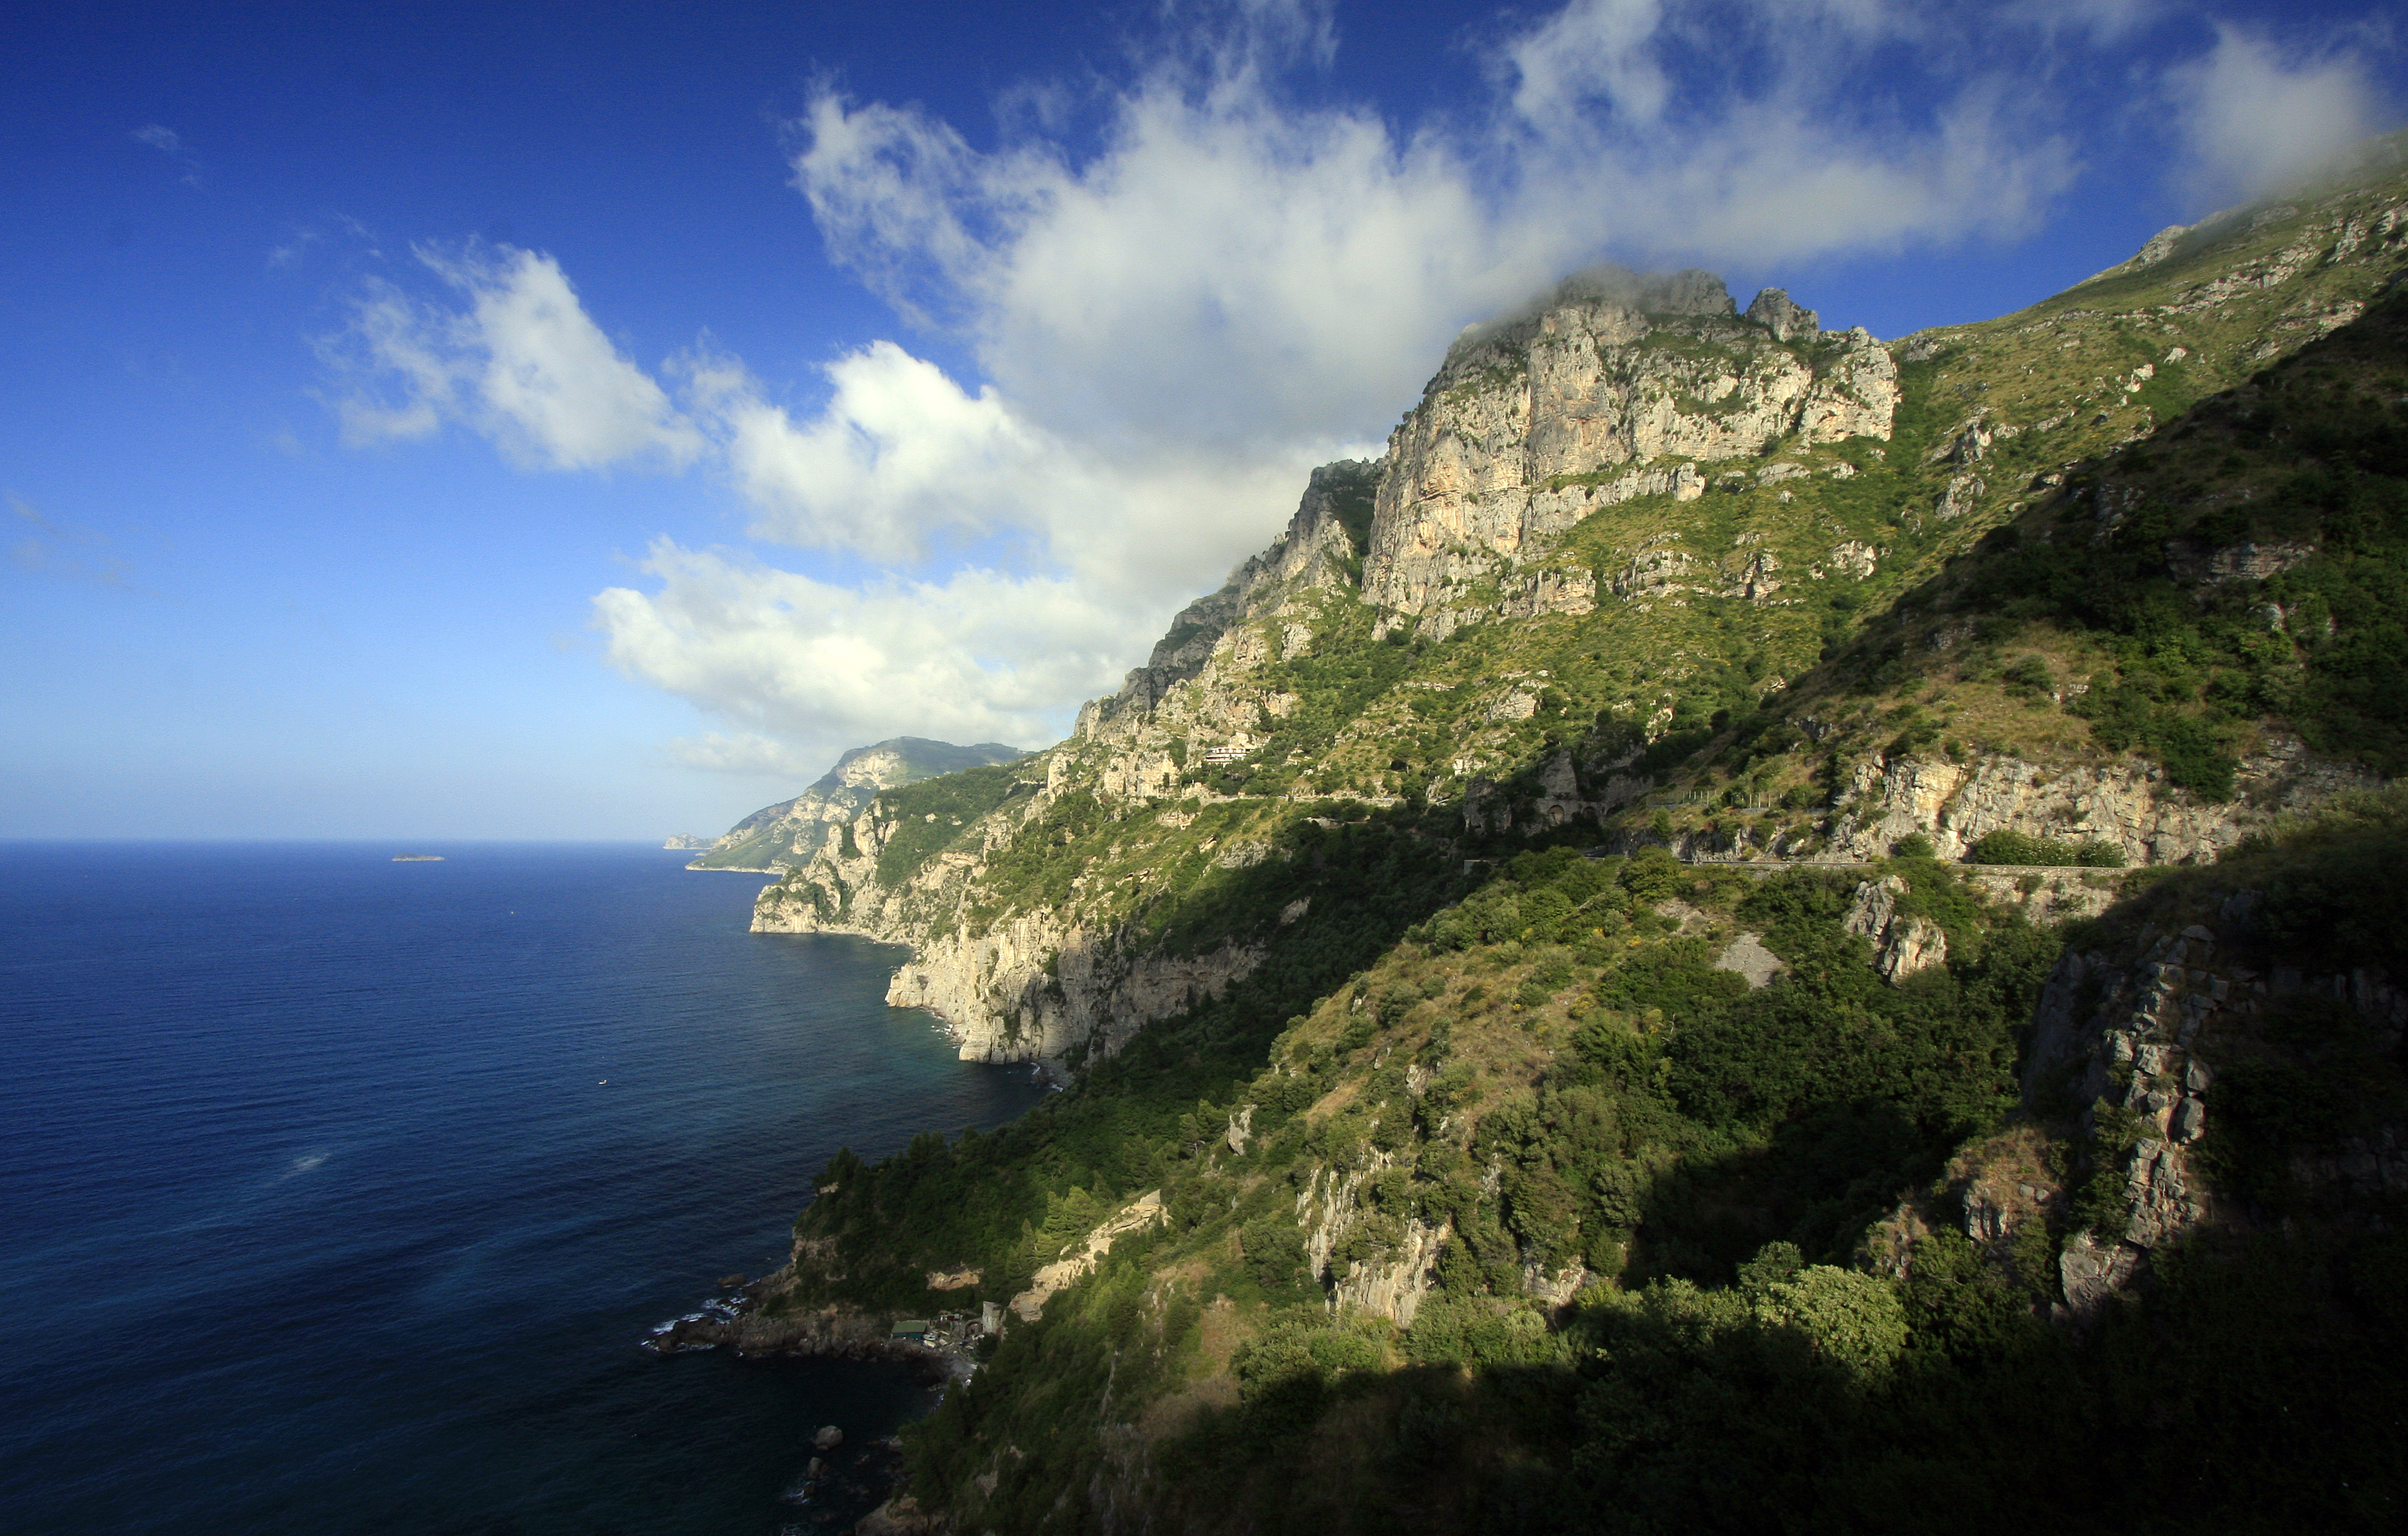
(784, 835)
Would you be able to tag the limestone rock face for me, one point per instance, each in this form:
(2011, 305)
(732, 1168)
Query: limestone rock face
(1142, 1212)
(1328, 520)
(1035, 987)
(1393, 1282)
(1002, 1005)
(1746, 957)
(1788, 322)
(1964, 494)
(2089, 1271)
(1618, 386)
(2125, 803)
(1902, 946)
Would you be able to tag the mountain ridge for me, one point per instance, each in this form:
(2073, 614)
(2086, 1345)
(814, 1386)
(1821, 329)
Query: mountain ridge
(1552, 1026)
(1837, 478)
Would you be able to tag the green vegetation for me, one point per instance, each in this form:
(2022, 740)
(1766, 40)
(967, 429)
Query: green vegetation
(2005, 847)
(2243, 566)
(2199, 646)
(928, 816)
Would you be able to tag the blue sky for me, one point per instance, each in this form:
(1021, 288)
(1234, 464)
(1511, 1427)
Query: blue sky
(586, 421)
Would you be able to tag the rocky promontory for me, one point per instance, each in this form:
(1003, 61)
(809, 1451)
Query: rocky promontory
(784, 835)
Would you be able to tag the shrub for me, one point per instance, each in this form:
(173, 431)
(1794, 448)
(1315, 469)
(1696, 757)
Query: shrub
(1653, 874)
(1850, 1320)
(2029, 675)
(1274, 1252)
(2005, 847)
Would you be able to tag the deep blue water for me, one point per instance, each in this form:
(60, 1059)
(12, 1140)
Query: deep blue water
(338, 1193)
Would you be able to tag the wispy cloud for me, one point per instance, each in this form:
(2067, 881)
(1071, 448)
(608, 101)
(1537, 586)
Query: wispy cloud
(747, 753)
(515, 356)
(68, 553)
(2258, 117)
(171, 144)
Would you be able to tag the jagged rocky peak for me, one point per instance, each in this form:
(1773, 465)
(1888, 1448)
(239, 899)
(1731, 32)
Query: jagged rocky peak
(1332, 525)
(1772, 309)
(1616, 385)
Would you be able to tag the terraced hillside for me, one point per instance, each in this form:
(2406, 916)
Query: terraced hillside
(1539, 936)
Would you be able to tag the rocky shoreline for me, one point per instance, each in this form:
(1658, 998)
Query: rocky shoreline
(748, 1323)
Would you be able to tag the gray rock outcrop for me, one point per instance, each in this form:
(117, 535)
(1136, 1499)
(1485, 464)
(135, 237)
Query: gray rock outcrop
(1903, 944)
(2125, 803)
(2144, 1029)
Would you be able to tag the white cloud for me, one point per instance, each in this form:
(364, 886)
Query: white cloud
(2258, 118)
(171, 144)
(1234, 269)
(1590, 51)
(747, 753)
(980, 657)
(899, 453)
(521, 363)
(1070, 558)
(901, 460)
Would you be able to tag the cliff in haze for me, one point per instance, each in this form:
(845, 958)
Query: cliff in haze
(784, 835)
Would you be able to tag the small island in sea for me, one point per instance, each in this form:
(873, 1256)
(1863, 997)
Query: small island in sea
(417, 858)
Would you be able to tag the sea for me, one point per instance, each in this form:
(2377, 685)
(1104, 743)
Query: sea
(339, 1194)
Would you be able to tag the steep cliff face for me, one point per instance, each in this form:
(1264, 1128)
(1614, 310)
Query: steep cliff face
(784, 835)
(1031, 989)
(1066, 981)
(1618, 387)
(2197, 1049)
(1331, 525)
